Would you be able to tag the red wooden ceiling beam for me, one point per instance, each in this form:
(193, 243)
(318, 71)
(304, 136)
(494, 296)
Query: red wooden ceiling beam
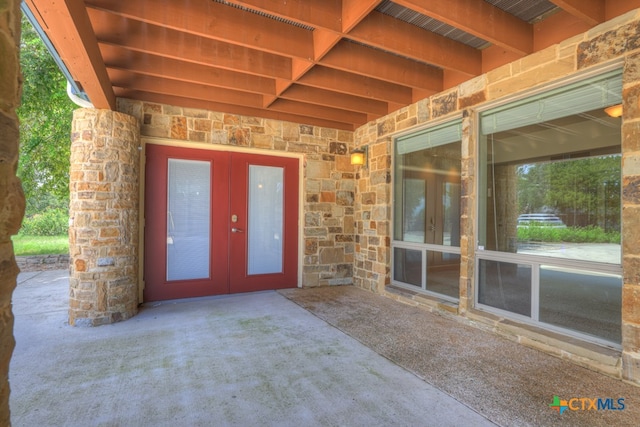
(217, 21)
(329, 78)
(231, 109)
(334, 99)
(409, 41)
(145, 38)
(144, 63)
(366, 61)
(591, 12)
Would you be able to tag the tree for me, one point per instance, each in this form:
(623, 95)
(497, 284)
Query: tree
(583, 191)
(45, 124)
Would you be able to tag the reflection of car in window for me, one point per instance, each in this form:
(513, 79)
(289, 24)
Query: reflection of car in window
(540, 220)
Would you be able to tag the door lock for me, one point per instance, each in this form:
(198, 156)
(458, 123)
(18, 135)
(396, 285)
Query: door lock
(234, 218)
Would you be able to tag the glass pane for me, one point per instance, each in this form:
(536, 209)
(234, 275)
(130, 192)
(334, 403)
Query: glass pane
(265, 234)
(550, 178)
(427, 191)
(407, 266)
(443, 273)
(506, 286)
(414, 198)
(451, 214)
(583, 301)
(188, 219)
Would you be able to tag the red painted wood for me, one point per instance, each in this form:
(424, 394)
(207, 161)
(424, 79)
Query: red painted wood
(238, 242)
(156, 286)
(228, 250)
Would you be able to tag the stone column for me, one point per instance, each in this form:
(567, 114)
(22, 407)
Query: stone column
(631, 220)
(468, 197)
(103, 232)
(11, 197)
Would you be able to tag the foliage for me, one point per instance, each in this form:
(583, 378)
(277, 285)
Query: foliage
(40, 245)
(582, 191)
(588, 234)
(51, 222)
(45, 125)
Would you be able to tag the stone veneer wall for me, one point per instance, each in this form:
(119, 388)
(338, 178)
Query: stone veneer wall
(630, 210)
(615, 40)
(103, 234)
(328, 182)
(11, 197)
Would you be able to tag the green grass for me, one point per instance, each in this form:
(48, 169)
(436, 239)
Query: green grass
(40, 245)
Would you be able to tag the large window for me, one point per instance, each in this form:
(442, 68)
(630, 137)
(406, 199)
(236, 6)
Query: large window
(426, 247)
(549, 209)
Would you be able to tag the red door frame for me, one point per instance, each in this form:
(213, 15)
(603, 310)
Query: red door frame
(229, 176)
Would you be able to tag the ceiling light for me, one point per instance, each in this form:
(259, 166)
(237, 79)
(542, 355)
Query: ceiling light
(614, 110)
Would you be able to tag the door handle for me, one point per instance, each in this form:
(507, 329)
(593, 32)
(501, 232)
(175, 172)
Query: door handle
(237, 230)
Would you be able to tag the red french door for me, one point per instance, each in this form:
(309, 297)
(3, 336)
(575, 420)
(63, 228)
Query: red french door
(218, 222)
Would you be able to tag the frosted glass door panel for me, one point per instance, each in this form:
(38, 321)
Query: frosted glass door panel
(266, 203)
(188, 219)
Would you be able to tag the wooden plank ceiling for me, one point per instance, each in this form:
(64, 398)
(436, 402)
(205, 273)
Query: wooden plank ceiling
(334, 63)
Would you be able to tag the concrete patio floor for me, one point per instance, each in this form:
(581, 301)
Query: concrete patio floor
(238, 360)
(322, 356)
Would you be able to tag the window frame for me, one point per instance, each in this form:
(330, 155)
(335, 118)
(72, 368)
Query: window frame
(422, 247)
(534, 261)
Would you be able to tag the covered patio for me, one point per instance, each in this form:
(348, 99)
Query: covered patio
(323, 356)
(315, 81)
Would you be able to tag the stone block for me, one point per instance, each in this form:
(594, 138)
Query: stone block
(530, 78)
(344, 198)
(405, 124)
(386, 126)
(328, 197)
(262, 141)
(631, 366)
(345, 136)
(608, 45)
(444, 104)
(631, 104)
(238, 136)
(368, 198)
(318, 169)
(631, 230)
(473, 99)
(290, 131)
(631, 269)
(631, 189)
(631, 304)
(331, 255)
(380, 213)
(630, 337)
(339, 148)
(343, 163)
(178, 128)
(630, 136)
(423, 111)
(310, 246)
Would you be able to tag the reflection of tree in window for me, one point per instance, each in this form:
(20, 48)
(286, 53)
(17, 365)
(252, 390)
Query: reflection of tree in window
(582, 192)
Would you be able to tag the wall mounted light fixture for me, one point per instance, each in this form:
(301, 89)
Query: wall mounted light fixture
(614, 110)
(359, 156)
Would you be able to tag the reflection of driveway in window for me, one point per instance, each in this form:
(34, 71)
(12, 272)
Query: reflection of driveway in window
(599, 252)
